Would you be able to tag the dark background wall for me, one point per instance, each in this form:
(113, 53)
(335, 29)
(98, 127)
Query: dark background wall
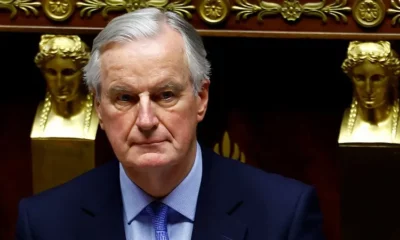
(280, 100)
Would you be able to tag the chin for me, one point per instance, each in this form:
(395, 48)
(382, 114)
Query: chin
(149, 161)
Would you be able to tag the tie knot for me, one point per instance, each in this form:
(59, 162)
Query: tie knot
(158, 213)
(157, 208)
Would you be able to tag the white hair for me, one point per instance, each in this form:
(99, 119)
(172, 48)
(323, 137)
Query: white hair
(146, 23)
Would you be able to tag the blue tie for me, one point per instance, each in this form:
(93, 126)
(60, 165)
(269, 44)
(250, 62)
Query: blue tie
(158, 213)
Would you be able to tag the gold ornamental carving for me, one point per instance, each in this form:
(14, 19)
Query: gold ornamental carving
(369, 13)
(394, 10)
(181, 7)
(214, 11)
(58, 10)
(28, 6)
(292, 10)
(225, 149)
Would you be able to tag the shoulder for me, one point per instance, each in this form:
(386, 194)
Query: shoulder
(285, 206)
(245, 174)
(258, 186)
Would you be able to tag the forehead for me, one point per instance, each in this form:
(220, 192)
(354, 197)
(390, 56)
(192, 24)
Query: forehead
(59, 62)
(145, 60)
(367, 67)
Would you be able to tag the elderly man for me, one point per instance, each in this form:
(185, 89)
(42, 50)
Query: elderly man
(150, 76)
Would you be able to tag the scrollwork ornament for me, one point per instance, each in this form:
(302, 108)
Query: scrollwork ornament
(369, 13)
(181, 7)
(394, 10)
(292, 10)
(58, 10)
(28, 6)
(214, 11)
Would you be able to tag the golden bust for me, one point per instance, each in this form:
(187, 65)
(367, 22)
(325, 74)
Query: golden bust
(373, 68)
(67, 111)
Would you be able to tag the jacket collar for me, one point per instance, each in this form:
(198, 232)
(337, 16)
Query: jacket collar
(102, 208)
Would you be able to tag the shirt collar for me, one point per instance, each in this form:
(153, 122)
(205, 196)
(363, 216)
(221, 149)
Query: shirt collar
(182, 199)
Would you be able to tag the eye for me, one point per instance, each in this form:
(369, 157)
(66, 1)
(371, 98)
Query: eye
(377, 78)
(359, 78)
(125, 98)
(166, 95)
(68, 71)
(51, 71)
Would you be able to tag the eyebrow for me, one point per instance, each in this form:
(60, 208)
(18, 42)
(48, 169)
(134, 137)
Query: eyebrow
(117, 90)
(175, 87)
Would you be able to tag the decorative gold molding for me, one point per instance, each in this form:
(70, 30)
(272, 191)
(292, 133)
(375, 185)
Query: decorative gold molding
(180, 7)
(214, 11)
(226, 150)
(395, 10)
(28, 6)
(58, 10)
(369, 13)
(291, 10)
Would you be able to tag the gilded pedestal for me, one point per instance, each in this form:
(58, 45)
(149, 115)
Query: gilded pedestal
(65, 125)
(370, 200)
(369, 144)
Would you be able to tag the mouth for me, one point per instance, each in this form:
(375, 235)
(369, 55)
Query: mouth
(369, 98)
(149, 143)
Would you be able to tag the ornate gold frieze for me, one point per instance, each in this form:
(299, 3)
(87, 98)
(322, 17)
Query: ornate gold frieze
(28, 6)
(394, 10)
(58, 10)
(214, 11)
(369, 13)
(180, 7)
(292, 10)
(226, 150)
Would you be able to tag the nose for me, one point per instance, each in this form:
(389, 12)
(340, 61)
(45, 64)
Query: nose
(368, 87)
(146, 120)
(59, 79)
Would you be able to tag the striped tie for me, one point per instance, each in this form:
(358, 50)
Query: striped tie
(158, 213)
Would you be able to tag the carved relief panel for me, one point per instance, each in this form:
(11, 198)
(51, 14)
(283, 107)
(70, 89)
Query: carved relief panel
(215, 17)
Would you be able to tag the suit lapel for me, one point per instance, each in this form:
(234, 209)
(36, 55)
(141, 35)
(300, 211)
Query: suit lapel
(102, 209)
(216, 204)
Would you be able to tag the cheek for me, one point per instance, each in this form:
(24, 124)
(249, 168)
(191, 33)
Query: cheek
(116, 124)
(180, 123)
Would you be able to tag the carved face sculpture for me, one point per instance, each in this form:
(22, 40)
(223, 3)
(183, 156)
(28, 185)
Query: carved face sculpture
(63, 78)
(371, 83)
(373, 68)
(61, 58)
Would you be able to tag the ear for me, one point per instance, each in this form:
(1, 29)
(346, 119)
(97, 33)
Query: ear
(202, 100)
(97, 100)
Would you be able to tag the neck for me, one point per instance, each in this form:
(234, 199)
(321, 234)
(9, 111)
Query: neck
(69, 108)
(375, 115)
(159, 183)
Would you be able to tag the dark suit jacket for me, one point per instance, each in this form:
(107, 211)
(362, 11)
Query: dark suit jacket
(235, 202)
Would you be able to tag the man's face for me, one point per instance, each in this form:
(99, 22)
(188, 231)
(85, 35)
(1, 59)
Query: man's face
(371, 84)
(147, 107)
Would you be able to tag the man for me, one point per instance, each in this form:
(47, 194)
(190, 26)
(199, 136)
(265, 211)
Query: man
(149, 73)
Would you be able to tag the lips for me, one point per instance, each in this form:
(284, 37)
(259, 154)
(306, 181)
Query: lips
(153, 142)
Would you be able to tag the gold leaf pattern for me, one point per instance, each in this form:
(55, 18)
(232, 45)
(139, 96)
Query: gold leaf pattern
(28, 6)
(394, 10)
(180, 7)
(291, 10)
